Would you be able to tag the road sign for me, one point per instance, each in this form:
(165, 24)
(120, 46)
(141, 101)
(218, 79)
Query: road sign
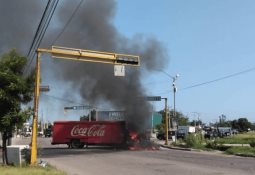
(119, 70)
(153, 98)
(44, 88)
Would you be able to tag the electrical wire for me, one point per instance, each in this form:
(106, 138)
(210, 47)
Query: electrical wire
(212, 81)
(70, 101)
(46, 26)
(50, 9)
(221, 78)
(38, 28)
(68, 22)
(62, 99)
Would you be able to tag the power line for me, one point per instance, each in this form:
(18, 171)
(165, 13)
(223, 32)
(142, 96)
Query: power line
(68, 22)
(44, 23)
(70, 101)
(44, 28)
(219, 79)
(38, 28)
(62, 99)
(212, 81)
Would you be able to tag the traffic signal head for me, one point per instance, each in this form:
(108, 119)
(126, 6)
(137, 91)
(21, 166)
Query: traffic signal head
(128, 59)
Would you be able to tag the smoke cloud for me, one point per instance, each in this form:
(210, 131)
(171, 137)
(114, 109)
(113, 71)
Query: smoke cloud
(93, 28)
(18, 24)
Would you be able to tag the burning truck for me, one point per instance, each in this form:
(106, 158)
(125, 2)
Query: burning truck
(77, 134)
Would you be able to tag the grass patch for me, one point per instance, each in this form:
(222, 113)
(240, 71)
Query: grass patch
(11, 170)
(245, 138)
(244, 151)
(198, 142)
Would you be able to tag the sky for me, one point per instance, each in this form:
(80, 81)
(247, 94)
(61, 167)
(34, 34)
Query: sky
(205, 40)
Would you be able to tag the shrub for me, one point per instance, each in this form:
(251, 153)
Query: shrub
(211, 144)
(194, 140)
(252, 143)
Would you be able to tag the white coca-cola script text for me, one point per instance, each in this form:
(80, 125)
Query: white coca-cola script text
(93, 130)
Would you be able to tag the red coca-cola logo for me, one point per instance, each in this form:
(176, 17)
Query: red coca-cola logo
(94, 130)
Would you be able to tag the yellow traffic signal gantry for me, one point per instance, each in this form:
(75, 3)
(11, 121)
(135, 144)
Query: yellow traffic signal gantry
(76, 55)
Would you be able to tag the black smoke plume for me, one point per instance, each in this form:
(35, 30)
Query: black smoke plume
(91, 28)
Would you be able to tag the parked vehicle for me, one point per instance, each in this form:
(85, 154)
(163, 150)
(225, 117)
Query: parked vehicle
(234, 131)
(26, 133)
(162, 135)
(40, 133)
(48, 132)
(224, 131)
(182, 131)
(76, 134)
(210, 133)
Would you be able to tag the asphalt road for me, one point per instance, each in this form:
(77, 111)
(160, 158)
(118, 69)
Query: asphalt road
(108, 161)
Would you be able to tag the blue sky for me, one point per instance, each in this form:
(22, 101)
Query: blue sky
(205, 40)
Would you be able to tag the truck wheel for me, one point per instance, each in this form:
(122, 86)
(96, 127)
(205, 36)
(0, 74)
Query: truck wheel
(81, 145)
(75, 144)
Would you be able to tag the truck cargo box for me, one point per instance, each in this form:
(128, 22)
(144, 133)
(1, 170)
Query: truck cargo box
(76, 134)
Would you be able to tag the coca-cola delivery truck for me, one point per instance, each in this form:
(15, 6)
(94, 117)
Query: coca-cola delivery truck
(76, 134)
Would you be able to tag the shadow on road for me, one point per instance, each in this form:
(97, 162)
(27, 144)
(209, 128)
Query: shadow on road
(49, 152)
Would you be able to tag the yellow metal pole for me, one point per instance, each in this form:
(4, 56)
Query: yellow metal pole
(33, 160)
(166, 122)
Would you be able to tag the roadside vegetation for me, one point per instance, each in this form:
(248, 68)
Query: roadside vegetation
(15, 91)
(227, 139)
(197, 141)
(244, 138)
(242, 151)
(7, 170)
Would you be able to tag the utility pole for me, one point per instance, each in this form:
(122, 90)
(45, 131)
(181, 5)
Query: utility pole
(174, 112)
(33, 160)
(166, 121)
(174, 90)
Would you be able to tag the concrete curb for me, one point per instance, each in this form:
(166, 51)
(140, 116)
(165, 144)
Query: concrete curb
(176, 148)
(244, 155)
(197, 150)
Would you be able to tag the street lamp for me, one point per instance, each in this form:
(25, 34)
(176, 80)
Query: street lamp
(174, 90)
(174, 78)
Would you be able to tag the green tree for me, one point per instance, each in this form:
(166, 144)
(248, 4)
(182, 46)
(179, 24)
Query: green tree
(244, 124)
(196, 123)
(253, 126)
(235, 125)
(179, 118)
(15, 89)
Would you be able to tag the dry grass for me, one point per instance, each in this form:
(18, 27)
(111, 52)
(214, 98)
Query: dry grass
(10, 170)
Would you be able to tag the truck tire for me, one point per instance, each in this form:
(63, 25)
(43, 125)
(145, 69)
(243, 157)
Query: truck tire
(76, 144)
(81, 145)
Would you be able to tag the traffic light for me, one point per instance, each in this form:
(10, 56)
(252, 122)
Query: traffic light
(128, 59)
(93, 56)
